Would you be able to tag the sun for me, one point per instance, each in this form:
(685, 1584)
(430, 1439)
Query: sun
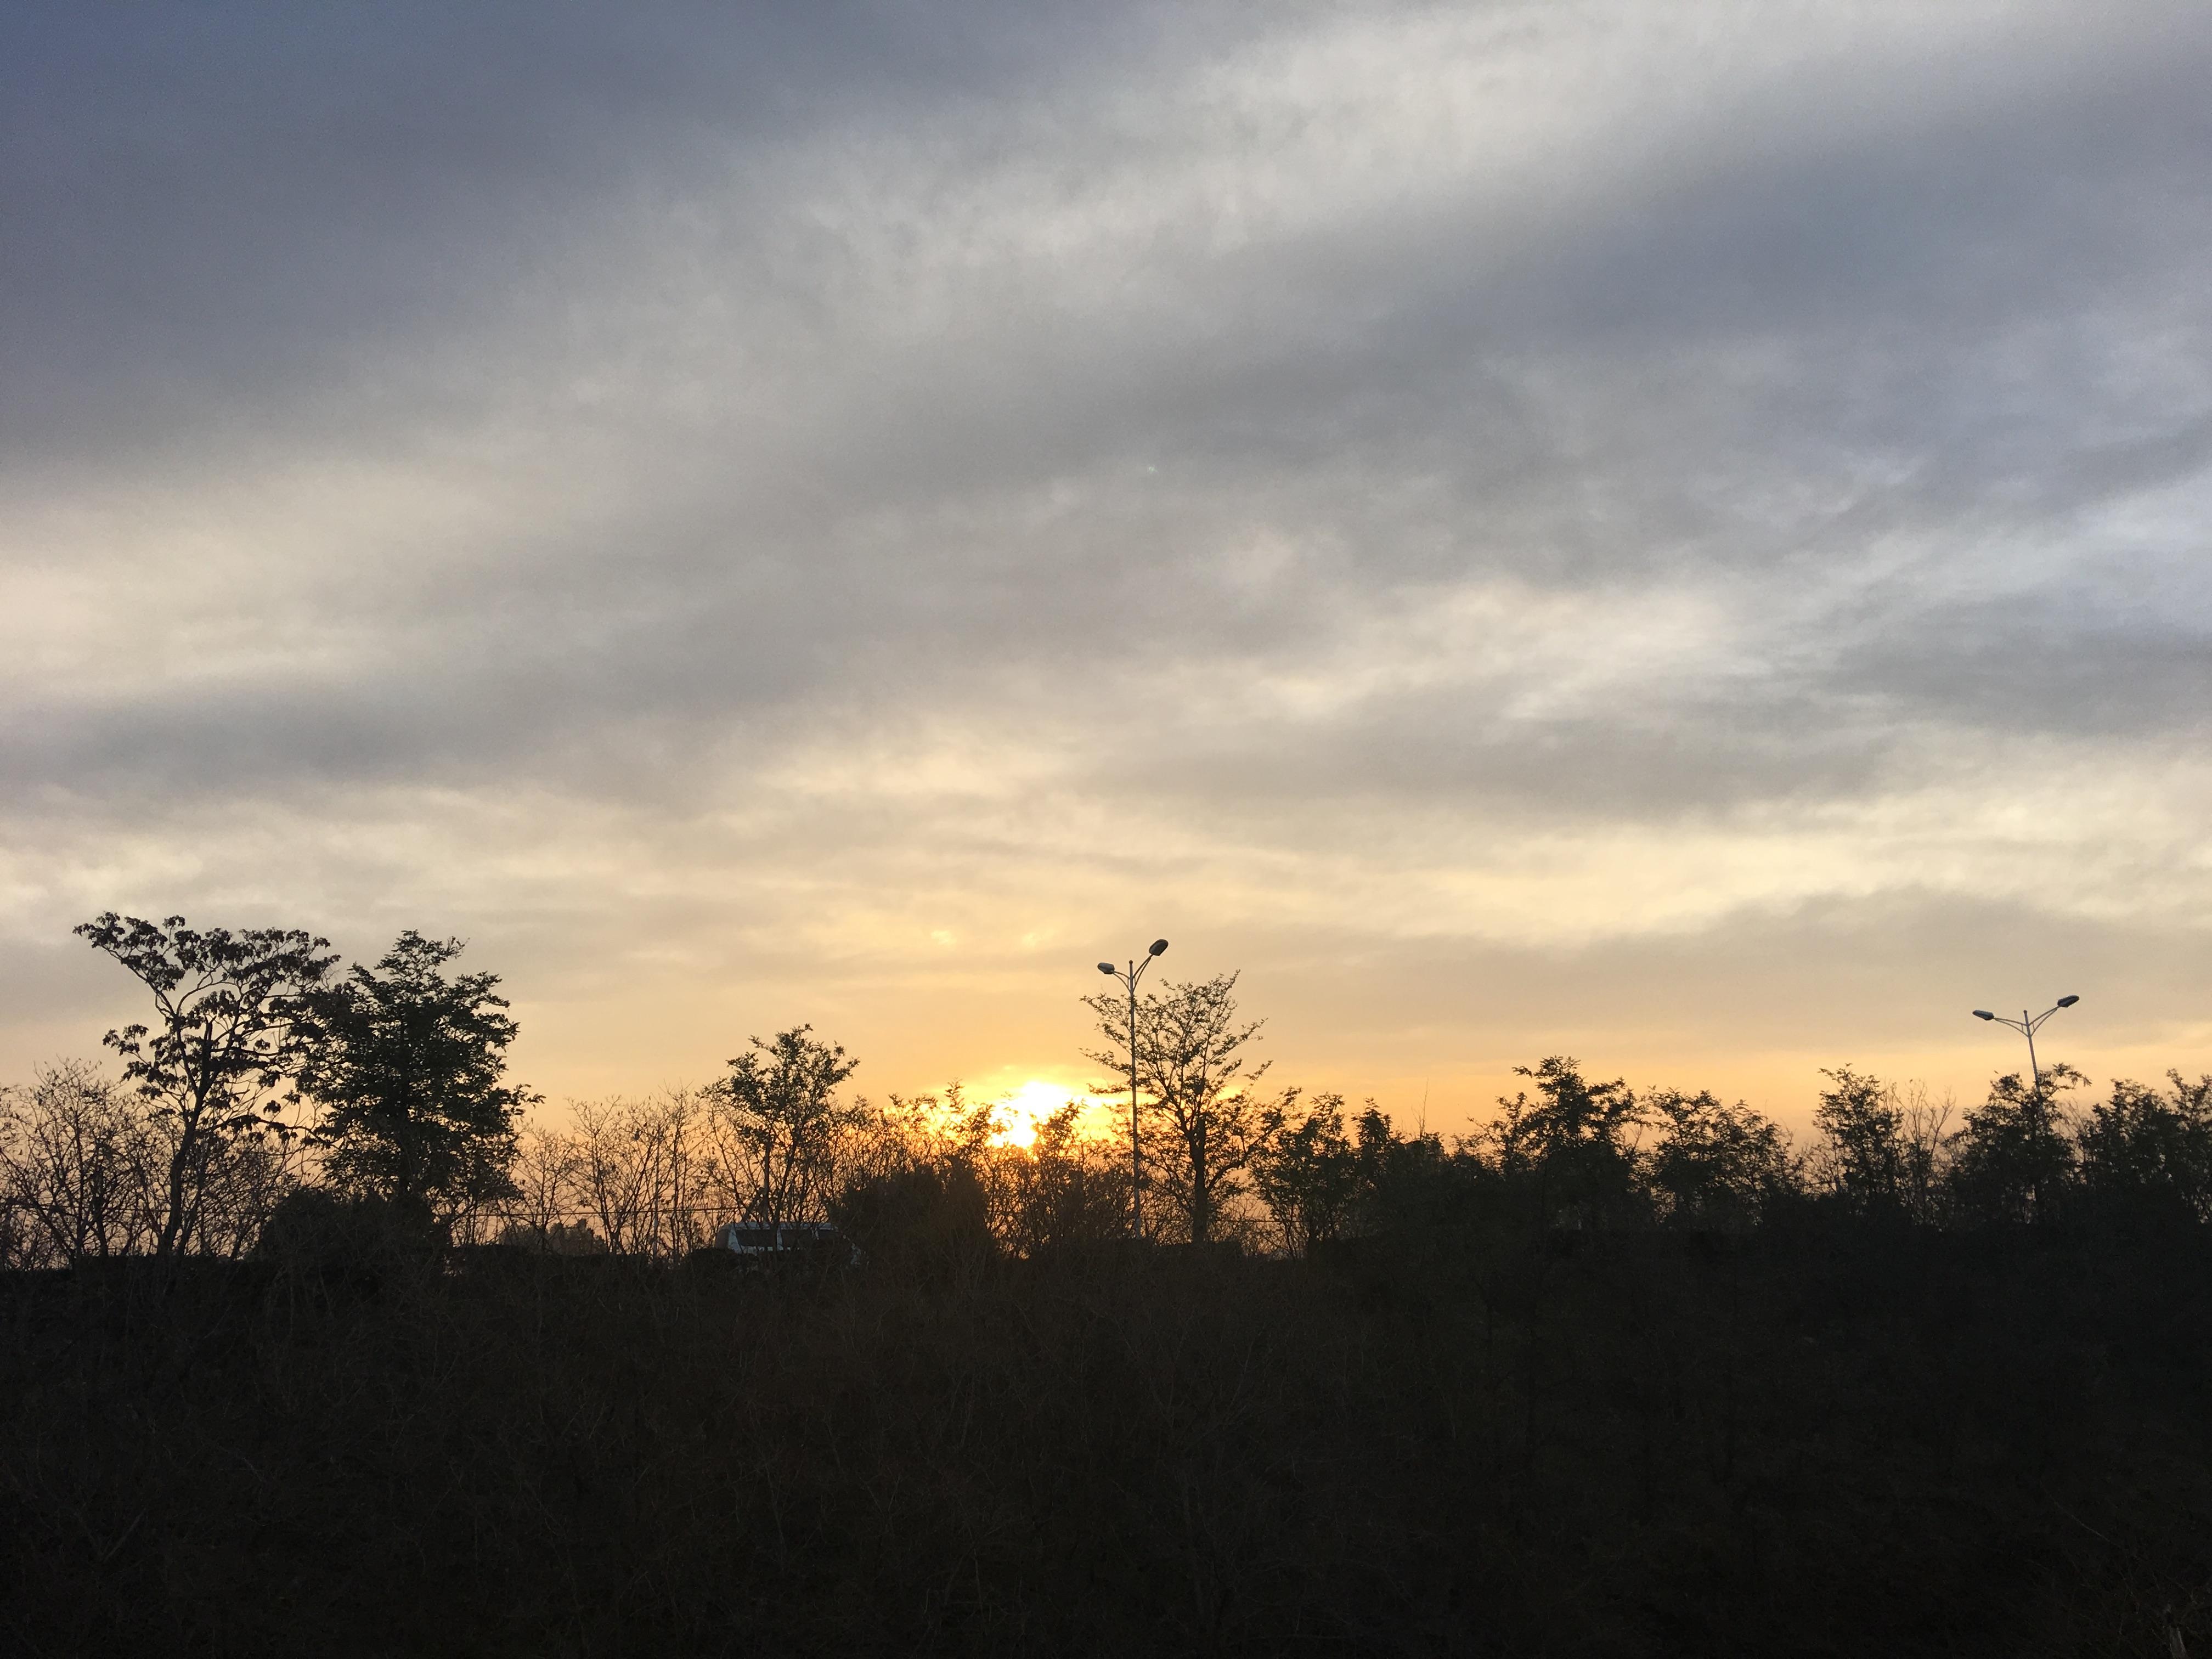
(1024, 1107)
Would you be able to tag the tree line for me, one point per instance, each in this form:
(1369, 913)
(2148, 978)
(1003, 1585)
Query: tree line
(268, 1092)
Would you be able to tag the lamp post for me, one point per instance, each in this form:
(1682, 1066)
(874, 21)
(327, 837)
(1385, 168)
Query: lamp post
(1129, 977)
(2027, 1028)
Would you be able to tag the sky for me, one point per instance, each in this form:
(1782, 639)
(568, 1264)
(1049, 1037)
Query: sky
(1673, 532)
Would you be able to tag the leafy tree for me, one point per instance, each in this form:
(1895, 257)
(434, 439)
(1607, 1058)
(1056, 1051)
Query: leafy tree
(227, 1020)
(1863, 1159)
(1880, 1147)
(1572, 1148)
(1204, 1124)
(1323, 1179)
(1308, 1170)
(2148, 1156)
(406, 1065)
(782, 1121)
(1714, 1165)
(2013, 1158)
(1407, 1181)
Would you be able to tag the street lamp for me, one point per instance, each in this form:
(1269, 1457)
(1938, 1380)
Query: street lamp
(1129, 977)
(2027, 1028)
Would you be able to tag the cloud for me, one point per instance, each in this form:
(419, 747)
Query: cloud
(1526, 475)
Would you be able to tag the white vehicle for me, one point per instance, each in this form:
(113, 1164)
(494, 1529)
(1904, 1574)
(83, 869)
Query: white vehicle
(753, 1240)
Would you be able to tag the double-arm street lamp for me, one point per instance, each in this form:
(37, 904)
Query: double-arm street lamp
(1129, 977)
(2027, 1028)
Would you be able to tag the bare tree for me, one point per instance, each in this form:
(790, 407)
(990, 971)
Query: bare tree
(642, 1169)
(245, 1178)
(1204, 1123)
(910, 1132)
(616, 1175)
(686, 1187)
(546, 1169)
(1925, 1123)
(80, 1169)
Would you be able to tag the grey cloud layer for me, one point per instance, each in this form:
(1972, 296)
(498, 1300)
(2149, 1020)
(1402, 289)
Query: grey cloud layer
(213, 203)
(1280, 422)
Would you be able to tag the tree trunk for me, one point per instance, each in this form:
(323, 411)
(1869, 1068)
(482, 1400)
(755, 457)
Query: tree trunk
(1201, 1196)
(170, 1241)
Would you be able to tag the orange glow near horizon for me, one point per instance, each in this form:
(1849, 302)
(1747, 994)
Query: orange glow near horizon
(1024, 1107)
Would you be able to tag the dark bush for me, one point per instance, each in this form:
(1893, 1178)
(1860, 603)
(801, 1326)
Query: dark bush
(930, 1218)
(316, 1235)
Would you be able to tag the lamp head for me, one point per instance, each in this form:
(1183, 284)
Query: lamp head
(1159, 945)
(1983, 1013)
(1106, 968)
(2068, 1002)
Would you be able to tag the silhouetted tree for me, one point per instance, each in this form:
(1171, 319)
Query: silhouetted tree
(80, 1169)
(1572, 1148)
(227, 1007)
(948, 1132)
(2013, 1160)
(933, 1218)
(644, 1171)
(406, 1065)
(1204, 1123)
(1066, 1188)
(2145, 1156)
(1307, 1172)
(781, 1123)
(1324, 1179)
(1879, 1149)
(545, 1176)
(1714, 1165)
(1409, 1180)
(911, 1131)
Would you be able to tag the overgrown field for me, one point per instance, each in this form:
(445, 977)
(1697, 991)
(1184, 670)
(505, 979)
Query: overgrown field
(1832, 1441)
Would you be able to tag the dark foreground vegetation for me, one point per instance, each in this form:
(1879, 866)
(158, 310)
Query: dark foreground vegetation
(311, 1342)
(1814, 1440)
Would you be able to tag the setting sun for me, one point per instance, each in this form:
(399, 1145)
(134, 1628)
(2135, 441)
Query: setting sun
(1024, 1108)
